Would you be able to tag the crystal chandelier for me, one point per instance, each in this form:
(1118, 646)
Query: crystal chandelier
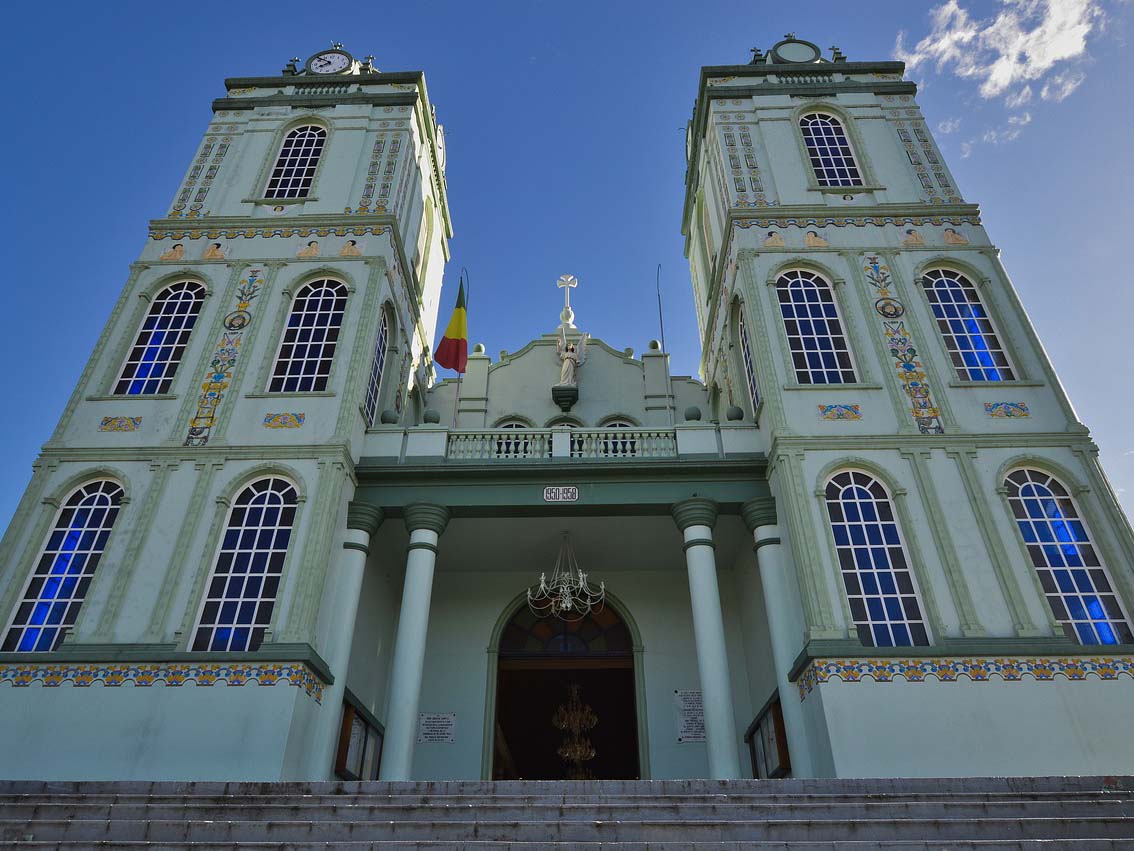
(576, 719)
(567, 595)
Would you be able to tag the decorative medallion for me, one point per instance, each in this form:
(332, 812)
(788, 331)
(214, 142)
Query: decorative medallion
(284, 420)
(120, 424)
(840, 412)
(1006, 410)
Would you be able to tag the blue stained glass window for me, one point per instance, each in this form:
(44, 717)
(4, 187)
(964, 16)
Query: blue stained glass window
(307, 349)
(829, 150)
(55, 591)
(241, 593)
(1075, 581)
(876, 578)
(818, 348)
(966, 328)
(152, 363)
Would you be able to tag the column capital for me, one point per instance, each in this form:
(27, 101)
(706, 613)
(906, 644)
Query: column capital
(426, 515)
(364, 517)
(760, 511)
(695, 511)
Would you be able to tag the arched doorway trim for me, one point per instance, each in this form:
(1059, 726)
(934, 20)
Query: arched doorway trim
(506, 615)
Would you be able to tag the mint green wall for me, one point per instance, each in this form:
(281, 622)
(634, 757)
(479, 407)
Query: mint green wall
(465, 609)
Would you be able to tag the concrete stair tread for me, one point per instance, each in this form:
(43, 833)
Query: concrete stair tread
(492, 845)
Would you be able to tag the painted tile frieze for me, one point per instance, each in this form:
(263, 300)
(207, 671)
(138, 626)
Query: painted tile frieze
(983, 669)
(900, 342)
(84, 674)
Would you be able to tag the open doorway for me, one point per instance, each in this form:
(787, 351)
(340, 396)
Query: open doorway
(541, 660)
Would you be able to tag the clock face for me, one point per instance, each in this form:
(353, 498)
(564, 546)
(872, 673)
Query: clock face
(329, 62)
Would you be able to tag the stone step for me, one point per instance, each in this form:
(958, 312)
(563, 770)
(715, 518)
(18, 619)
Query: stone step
(477, 845)
(489, 845)
(299, 809)
(460, 831)
(604, 788)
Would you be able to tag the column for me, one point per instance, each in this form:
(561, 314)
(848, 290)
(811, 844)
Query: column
(363, 521)
(695, 518)
(784, 614)
(425, 523)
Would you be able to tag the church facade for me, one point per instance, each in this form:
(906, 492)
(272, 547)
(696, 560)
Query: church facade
(873, 539)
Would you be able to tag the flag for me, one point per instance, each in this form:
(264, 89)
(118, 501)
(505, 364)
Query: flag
(453, 350)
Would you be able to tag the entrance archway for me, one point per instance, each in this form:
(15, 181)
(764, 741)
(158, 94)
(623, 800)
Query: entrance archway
(533, 665)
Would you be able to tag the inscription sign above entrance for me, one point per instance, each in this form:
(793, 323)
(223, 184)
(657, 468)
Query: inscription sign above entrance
(561, 493)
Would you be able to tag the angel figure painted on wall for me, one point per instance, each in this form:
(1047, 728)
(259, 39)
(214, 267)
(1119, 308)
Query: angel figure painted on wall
(571, 358)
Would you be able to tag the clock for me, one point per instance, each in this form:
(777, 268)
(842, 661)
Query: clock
(793, 51)
(330, 62)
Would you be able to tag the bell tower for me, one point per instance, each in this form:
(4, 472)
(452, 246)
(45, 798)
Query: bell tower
(282, 306)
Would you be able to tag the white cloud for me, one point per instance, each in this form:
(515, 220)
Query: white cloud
(1018, 99)
(966, 149)
(1021, 119)
(1021, 42)
(949, 126)
(1060, 86)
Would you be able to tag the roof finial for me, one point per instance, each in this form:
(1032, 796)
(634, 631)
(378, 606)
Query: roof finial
(336, 45)
(789, 36)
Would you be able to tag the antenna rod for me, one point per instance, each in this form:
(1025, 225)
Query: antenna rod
(661, 321)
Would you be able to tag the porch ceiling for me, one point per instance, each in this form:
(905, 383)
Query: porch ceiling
(530, 544)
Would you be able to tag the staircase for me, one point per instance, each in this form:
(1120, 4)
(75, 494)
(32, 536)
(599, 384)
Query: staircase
(994, 813)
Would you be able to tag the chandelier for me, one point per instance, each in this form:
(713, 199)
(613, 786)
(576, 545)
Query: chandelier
(576, 719)
(567, 595)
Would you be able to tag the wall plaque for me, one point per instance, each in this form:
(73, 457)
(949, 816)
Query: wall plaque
(688, 716)
(436, 727)
(561, 493)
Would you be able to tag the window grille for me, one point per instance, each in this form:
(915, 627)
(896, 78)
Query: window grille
(295, 166)
(242, 590)
(966, 328)
(370, 407)
(872, 559)
(749, 367)
(1074, 579)
(309, 340)
(818, 348)
(57, 586)
(153, 360)
(829, 150)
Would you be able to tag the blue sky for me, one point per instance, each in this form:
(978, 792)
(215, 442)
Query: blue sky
(564, 127)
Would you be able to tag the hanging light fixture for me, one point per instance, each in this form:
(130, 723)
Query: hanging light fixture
(567, 595)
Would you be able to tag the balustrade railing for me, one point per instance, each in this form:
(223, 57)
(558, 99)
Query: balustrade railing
(512, 444)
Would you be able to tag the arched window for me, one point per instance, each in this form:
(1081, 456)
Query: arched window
(1076, 582)
(749, 367)
(829, 150)
(377, 366)
(294, 170)
(308, 345)
(238, 603)
(965, 327)
(153, 361)
(58, 584)
(876, 575)
(818, 348)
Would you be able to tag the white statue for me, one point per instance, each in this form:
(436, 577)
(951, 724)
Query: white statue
(571, 357)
